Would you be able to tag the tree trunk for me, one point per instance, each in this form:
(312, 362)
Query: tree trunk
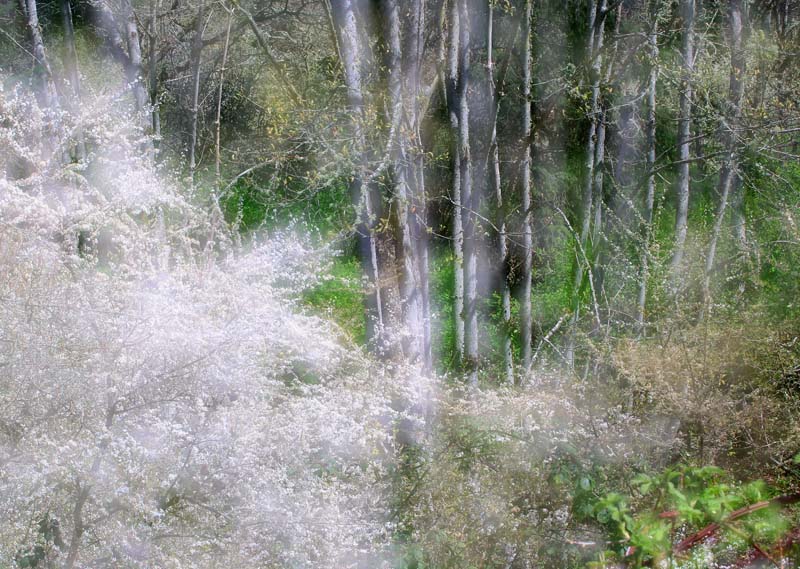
(729, 169)
(401, 95)
(468, 203)
(684, 135)
(599, 170)
(344, 18)
(42, 73)
(195, 57)
(647, 228)
(503, 253)
(218, 118)
(127, 51)
(152, 62)
(71, 67)
(526, 324)
(135, 57)
(417, 43)
(595, 55)
(452, 93)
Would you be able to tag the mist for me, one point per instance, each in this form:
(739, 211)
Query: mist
(399, 284)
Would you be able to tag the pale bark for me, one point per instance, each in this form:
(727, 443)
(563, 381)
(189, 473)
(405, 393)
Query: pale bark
(196, 59)
(400, 76)
(344, 18)
(468, 203)
(417, 42)
(43, 74)
(135, 56)
(730, 166)
(73, 76)
(650, 192)
(218, 118)
(502, 237)
(152, 62)
(596, 30)
(684, 136)
(453, 100)
(599, 169)
(526, 324)
(739, 219)
(126, 50)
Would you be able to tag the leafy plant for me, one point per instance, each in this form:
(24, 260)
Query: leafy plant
(667, 514)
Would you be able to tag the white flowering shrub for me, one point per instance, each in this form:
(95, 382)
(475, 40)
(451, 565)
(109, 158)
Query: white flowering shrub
(163, 402)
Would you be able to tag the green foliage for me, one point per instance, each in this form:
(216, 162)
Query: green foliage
(469, 443)
(679, 501)
(260, 203)
(442, 286)
(339, 297)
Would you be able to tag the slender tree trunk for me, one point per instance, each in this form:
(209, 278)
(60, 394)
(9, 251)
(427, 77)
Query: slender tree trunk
(196, 56)
(684, 136)
(42, 73)
(70, 54)
(526, 328)
(503, 252)
(468, 203)
(650, 193)
(595, 55)
(452, 93)
(344, 18)
(420, 200)
(134, 68)
(729, 169)
(401, 88)
(82, 494)
(152, 62)
(598, 176)
(125, 50)
(218, 118)
(71, 67)
(216, 214)
(599, 170)
(739, 219)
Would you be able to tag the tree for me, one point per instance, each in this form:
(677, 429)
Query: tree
(598, 10)
(731, 121)
(347, 36)
(127, 52)
(526, 329)
(453, 101)
(650, 164)
(43, 74)
(469, 201)
(684, 135)
(195, 60)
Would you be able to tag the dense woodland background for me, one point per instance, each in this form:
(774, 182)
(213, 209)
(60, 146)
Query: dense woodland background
(399, 283)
